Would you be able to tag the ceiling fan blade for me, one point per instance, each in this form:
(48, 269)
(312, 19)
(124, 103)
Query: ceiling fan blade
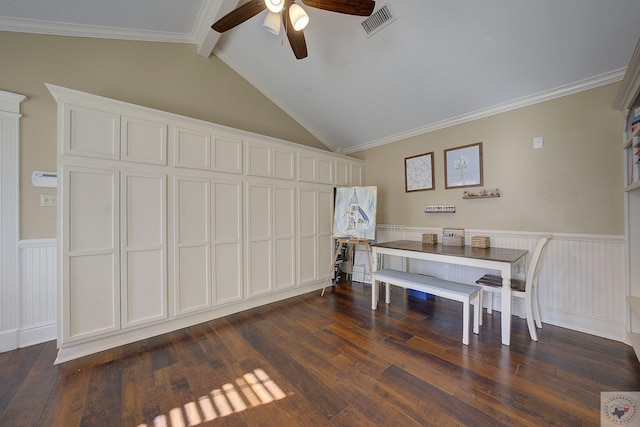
(296, 38)
(239, 15)
(350, 7)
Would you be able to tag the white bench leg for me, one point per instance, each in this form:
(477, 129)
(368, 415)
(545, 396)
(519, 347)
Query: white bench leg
(477, 313)
(465, 321)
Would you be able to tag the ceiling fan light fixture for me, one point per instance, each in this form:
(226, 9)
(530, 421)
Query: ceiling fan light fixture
(274, 6)
(299, 18)
(272, 23)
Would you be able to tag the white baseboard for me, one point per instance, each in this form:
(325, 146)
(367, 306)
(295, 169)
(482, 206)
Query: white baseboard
(37, 334)
(8, 340)
(589, 325)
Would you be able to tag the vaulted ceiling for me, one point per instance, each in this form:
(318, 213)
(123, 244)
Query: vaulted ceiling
(440, 62)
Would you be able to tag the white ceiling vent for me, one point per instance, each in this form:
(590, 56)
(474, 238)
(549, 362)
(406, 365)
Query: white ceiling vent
(378, 20)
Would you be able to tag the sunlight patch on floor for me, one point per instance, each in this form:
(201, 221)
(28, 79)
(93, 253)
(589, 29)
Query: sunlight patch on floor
(253, 389)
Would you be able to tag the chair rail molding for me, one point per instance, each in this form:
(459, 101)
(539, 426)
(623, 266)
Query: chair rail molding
(9, 218)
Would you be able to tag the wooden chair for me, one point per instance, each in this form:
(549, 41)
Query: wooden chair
(526, 289)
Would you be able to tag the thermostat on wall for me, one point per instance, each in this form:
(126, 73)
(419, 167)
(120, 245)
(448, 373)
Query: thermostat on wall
(44, 179)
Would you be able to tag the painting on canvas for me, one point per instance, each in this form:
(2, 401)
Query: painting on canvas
(355, 213)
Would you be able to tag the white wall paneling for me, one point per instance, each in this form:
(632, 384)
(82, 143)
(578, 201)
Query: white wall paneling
(89, 132)
(316, 169)
(307, 236)
(342, 174)
(143, 141)
(90, 303)
(259, 238)
(581, 281)
(144, 248)
(192, 246)
(192, 148)
(227, 241)
(38, 263)
(227, 154)
(356, 177)
(315, 241)
(166, 221)
(284, 237)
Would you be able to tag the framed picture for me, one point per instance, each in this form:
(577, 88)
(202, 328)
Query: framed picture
(418, 173)
(463, 166)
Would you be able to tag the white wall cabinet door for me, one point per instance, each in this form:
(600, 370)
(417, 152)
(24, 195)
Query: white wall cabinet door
(167, 222)
(325, 232)
(144, 248)
(284, 237)
(192, 148)
(192, 275)
(91, 133)
(259, 238)
(227, 220)
(315, 234)
(342, 173)
(143, 141)
(356, 175)
(227, 154)
(284, 165)
(90, 253)
(307, 237)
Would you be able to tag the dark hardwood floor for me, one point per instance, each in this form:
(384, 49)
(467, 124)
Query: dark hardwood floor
(325, 361)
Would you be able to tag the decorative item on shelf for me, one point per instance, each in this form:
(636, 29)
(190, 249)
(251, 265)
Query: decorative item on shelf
(483, 194)
(440, 209)
(430, 239)
(480, 242)
(453, 237)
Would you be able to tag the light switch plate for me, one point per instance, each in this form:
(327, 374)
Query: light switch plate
(538, 142)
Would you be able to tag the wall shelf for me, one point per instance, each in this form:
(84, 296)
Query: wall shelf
(480, 197)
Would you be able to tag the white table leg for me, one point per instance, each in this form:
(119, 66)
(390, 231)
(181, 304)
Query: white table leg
(374, 283)
(506, 306)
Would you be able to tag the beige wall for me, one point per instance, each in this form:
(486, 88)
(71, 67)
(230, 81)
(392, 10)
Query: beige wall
(169, 77)
(573, 184)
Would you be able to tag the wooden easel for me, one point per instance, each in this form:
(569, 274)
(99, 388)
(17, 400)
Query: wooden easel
(348, 241)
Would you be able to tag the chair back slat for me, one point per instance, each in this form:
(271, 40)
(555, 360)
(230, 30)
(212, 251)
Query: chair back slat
(534, 264)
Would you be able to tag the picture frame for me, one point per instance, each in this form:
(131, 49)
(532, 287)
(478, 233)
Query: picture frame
(463, 166)
(418, 173)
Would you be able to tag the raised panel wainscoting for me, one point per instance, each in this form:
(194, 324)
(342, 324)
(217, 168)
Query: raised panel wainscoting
(166, 221)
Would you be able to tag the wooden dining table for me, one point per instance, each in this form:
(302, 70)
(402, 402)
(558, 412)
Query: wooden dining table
(500, 259)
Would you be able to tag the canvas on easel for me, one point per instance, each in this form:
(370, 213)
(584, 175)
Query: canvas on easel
(354, 221)
(355, 213)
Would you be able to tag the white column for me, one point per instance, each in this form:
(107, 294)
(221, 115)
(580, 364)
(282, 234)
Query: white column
(9, 218)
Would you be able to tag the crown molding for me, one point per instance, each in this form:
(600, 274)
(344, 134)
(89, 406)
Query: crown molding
(630, 87)
(582, 85)
(20, 25)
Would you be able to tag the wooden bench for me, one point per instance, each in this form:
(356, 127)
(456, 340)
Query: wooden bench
(443, 288)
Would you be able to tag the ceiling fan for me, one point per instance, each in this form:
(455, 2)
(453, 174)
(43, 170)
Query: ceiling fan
(294, 18)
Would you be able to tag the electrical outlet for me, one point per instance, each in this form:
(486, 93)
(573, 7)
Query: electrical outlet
(538, 142)
(48, 199)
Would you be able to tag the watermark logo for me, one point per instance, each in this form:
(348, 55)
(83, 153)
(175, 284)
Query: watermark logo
(619, 408)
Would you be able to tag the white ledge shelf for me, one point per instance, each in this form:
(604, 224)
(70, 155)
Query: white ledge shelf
(480, 197)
